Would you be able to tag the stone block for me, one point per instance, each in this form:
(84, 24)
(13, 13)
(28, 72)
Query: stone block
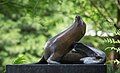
(53, 68)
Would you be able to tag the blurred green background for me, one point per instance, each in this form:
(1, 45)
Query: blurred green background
(26, 25)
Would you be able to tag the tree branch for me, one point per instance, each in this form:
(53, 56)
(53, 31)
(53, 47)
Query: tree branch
(99, 11)
(109, 15)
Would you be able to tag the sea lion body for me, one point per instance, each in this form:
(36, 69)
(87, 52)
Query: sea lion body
(61, 44)
(64, 49)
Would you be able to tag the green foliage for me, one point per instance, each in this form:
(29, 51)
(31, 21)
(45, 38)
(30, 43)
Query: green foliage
(110, 69)
(113, 40)
(21, 59)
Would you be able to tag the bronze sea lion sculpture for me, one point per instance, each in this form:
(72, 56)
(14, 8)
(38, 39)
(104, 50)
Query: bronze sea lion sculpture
(64, 49)
(61, 44)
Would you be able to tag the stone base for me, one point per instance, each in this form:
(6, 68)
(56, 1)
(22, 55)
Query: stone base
(53, 68)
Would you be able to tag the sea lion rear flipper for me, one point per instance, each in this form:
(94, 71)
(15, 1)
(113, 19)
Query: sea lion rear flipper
(95, 56)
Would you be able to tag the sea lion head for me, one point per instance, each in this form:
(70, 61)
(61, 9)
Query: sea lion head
(79, 20)
(80, 24)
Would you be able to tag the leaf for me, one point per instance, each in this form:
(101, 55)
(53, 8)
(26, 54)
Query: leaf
(21, 59)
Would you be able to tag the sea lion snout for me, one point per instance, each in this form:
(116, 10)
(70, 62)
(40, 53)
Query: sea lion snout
(79, 20)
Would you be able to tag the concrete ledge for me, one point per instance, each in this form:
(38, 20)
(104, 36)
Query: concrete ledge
(53, 68)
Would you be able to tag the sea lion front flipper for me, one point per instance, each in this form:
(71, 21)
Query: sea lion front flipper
(53, 59)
